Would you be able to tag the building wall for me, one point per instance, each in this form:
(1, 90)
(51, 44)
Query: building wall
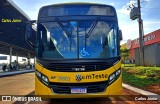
(151, 55)
(151, 38)
(151, 49)
(158, 56)
(131, 54)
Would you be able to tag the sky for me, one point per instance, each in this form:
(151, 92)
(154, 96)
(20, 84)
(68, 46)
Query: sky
(150, 13)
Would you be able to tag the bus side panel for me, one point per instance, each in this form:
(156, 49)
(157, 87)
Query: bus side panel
(40, 88)
(116, 87)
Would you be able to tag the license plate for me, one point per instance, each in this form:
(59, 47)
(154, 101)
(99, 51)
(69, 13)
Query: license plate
(78, 90)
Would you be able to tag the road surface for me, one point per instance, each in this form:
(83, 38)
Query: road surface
(23, 84)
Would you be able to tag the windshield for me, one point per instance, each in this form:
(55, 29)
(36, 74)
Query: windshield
(77, 39)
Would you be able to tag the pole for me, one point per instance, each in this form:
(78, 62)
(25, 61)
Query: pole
(141, 51)
(10, 60)
(28, 57)
(17, 58)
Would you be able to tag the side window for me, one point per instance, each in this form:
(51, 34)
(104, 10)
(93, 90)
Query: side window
(112, 43)
(41, 38)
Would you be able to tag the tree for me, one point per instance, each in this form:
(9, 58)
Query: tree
(124, 54)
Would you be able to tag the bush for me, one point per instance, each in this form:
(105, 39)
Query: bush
(150, 73)
(143, 71)
(137, 80)
(135, 70)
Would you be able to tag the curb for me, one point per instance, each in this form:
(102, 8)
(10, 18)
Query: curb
(6, 74)
(143, 92)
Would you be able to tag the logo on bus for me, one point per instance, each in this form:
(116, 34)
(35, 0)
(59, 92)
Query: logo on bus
(91, 76)
(78, 77)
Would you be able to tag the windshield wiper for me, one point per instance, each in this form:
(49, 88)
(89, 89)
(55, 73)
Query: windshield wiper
(62, 26)
(92, 28)
(85, 38)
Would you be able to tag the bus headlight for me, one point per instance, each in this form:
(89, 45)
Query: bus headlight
(118, 72)
(38, 74)
(114, 76)
(42, 77)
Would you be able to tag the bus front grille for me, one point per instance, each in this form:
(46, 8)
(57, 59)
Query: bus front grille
(63, 88)
(85, 66)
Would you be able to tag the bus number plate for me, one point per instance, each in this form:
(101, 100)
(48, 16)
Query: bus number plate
(78, 90)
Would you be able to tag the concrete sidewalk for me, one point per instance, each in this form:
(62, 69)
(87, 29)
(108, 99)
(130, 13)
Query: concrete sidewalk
(11, 73)
(140, 91)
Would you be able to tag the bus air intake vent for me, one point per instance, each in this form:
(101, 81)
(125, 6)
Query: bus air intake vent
(65, 88)
(75, 67)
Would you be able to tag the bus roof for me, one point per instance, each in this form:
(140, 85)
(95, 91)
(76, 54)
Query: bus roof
(78, 3)
(83, 9)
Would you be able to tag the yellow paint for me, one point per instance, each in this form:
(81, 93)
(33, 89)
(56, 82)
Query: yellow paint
(114, 89)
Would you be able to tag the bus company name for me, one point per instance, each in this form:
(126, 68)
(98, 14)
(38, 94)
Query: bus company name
(147, 38)
(11, 20)
(92, 76)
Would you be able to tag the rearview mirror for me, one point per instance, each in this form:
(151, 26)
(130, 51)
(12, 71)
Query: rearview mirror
(29, 33)
(120, 34)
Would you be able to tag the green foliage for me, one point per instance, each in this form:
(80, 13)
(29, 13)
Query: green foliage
(137, 80)
(150, 73)
(143, 71)
(124, 52)
(128, 65)
(140, 76)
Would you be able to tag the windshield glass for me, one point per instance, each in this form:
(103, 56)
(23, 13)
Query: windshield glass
(77, 39)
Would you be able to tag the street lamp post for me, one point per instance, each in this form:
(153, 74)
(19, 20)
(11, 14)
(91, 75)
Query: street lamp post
(140, 36)
(136, 14)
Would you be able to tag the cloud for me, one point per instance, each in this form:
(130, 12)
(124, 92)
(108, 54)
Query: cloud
(132, 2)
(145, 0)
(150, 26)
(112, 4)
(129, 30)
(124, 10)
(151, 22)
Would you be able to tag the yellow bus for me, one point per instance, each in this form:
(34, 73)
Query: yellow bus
(77, 51)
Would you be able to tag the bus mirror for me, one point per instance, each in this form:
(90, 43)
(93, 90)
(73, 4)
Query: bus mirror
(120, 35)
(29, 33)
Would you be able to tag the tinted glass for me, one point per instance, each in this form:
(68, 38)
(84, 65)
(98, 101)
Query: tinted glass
(77, 10)
(101, 43)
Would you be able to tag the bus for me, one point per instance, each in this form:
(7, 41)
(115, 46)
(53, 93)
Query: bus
(77, 51)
